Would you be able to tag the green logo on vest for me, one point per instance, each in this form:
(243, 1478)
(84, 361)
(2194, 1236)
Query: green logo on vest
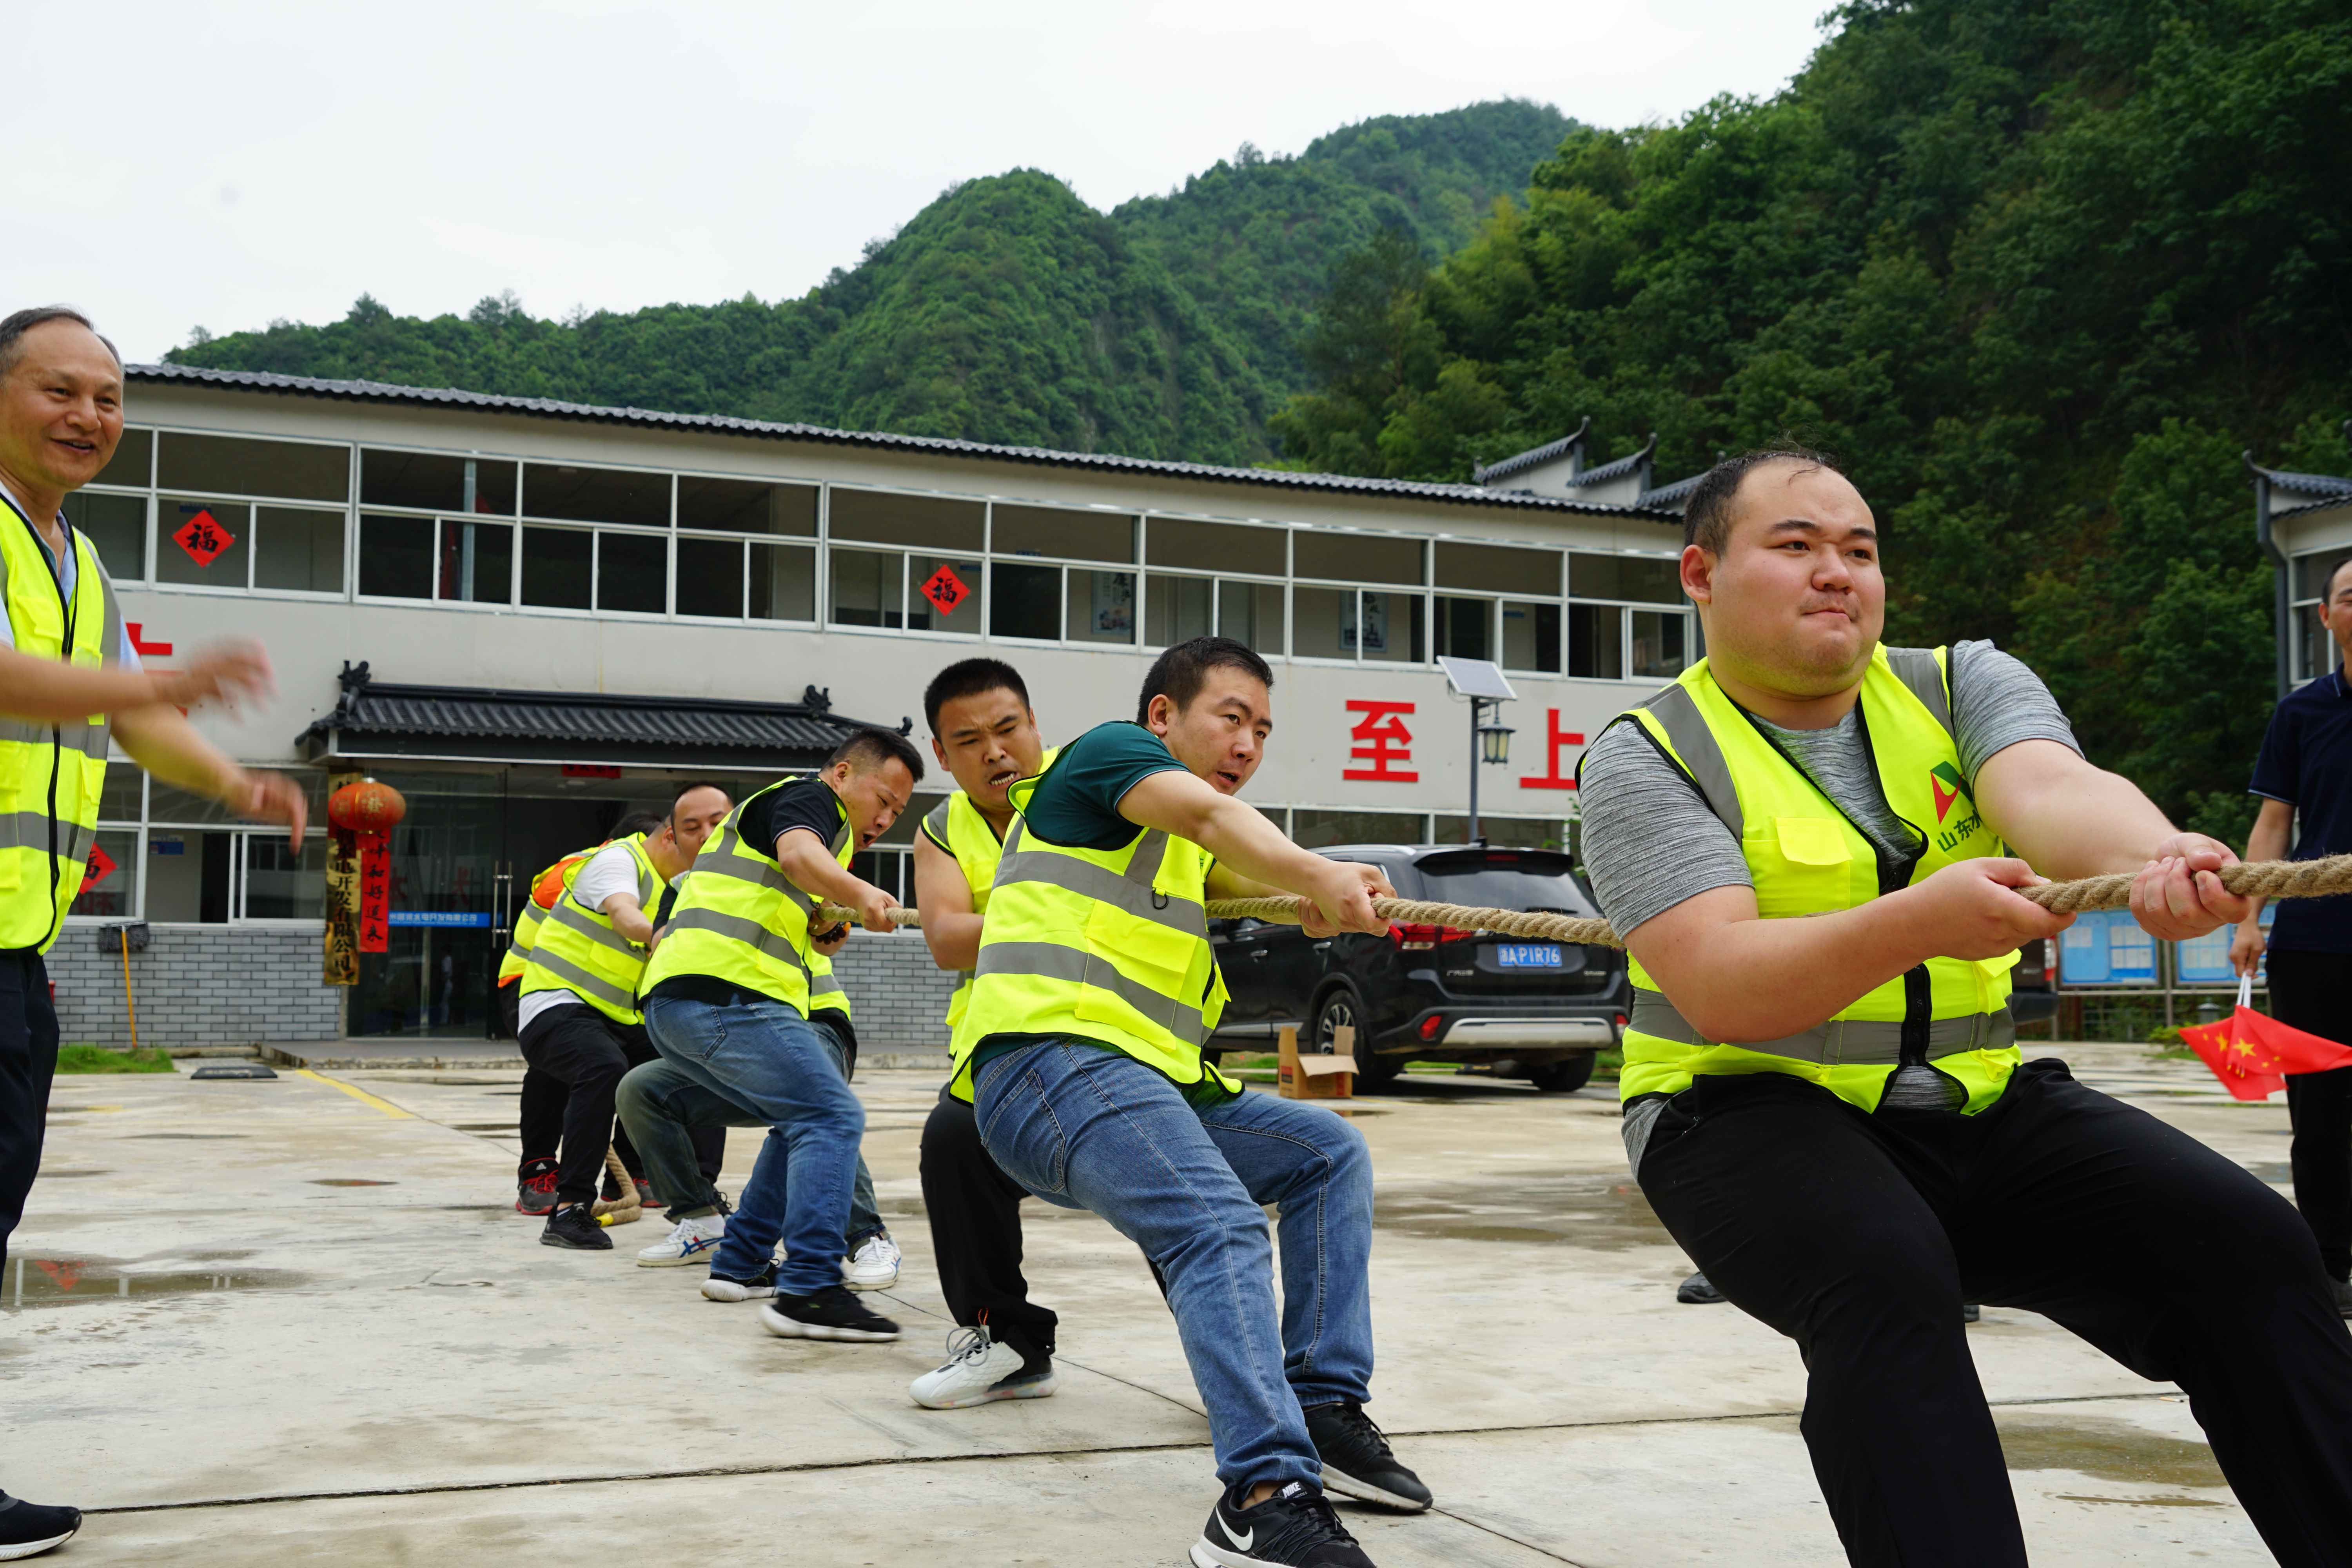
(1948, 786)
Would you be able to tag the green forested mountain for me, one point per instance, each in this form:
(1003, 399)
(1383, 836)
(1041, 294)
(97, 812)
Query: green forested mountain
(1006, 310)
(2036, 271)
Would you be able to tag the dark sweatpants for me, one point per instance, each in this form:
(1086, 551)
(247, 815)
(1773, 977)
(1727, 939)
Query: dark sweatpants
(29, 1060)
(975, 1214)
(1859, 1236)
(2307, 992)
(587, 1053)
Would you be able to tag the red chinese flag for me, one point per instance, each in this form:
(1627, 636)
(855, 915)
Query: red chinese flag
(2251, 1053)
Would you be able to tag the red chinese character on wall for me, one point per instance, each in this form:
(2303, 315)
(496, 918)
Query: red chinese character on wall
(1555, 739)
(202, 537)
(1383, 739)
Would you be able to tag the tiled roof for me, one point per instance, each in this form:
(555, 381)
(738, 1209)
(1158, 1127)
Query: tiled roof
(577, 726)
(1670, 498)
(1533, 456)
(550, 408)
(1630, 463)
(2303, 484)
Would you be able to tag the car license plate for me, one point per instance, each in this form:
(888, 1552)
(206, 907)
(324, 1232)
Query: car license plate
(1528, 954)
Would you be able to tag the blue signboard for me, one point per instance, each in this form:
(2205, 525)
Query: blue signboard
(2106, 947)
(442, 918)
(2205, 961)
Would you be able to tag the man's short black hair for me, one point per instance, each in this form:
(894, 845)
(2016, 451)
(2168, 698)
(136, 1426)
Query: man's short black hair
(686, 789)
(637, 822)
(13, 327)
(1707, 517)
(871, 748)
(969, 677)
(1180, 672)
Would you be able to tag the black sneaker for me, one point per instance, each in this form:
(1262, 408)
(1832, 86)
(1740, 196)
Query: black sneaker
(1698, 1290)
(832, 1313)
(28, 1529)
(728, 1287)
(574, 1226)
(1295, 1528)
(1357, 1462)
(535, 1185)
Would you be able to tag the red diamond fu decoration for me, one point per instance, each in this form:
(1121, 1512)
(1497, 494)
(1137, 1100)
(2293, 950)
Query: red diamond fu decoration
(102, 867)
(946, 590)
(202, 537)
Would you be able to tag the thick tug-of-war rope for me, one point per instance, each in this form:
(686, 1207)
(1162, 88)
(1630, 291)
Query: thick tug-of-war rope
(2271, 878)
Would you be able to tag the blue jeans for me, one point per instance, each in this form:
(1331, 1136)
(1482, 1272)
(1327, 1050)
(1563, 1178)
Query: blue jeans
(663, 1106)
(1086, 1127)
(768, 1059)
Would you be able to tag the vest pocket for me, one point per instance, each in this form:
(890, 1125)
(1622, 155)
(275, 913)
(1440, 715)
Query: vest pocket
(1128, 958)
(1802, 866)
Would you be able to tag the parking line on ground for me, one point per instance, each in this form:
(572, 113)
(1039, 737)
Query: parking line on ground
(362, 1096)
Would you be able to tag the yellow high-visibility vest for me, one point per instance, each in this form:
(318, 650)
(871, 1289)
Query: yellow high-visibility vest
(956, 825)
(50, 775)
(578, 949)
(1806, 859)
(739, 918)
(552, 883)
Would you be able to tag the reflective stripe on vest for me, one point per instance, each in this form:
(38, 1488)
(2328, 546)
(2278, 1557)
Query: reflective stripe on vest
(578, 950)
(1805, 858)
(50, 775)
(535, 914)
(956, 825)
(1108, 945)
(738, 919)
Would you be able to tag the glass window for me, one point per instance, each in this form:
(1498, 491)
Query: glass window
(396, 557)
(109, 886)
(1531, 637)
(280, 885)
(783, 582)
(633, 572)
(476, 561)
(711, 577)
(1504, 833)
(746, 506)
(2312, 573)
(238, 466)
(1326, 623)
(1645, 579)
(1313, 829)
(166, 804)
(431, 482)
(132, 463)
(943, 611)
(120, 796)
(298, 549)
(938, 521)
(188, 874)
(1177, 609)
(557, 567)
(1251, 613)
(1058, 530)
(1497, 567)
(868, 588)
(1357, 557)
(1101, 606)
(1027, 602)
(204, 542)
(1596, 642)
(117, 527)
(1217, 546)
(1391, 628)
(1465, 627)
(1660, 644)
(595, 495)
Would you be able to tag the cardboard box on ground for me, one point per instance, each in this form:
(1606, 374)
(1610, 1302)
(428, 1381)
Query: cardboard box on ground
(1317, 1076)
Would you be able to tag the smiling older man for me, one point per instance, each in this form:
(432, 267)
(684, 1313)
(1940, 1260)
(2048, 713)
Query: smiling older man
(69, 678)
(1831, 1114)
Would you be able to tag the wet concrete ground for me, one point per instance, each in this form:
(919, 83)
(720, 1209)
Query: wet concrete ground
(298, 1321)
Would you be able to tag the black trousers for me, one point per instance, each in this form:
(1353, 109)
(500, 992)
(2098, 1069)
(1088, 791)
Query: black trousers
(2308, 991)
(586, 1053)
(28, 1062)
(1859, 1236)
(975, 1214)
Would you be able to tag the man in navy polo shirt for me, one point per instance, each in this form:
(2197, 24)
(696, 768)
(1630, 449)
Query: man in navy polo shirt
(2305, 777)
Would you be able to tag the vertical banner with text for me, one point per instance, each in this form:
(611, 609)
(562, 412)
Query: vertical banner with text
(343, 934)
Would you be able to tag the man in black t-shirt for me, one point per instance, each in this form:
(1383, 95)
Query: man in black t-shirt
(2304, 778)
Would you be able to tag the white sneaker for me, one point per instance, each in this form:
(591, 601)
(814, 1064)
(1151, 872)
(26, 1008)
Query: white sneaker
(688, 1240)
(759, 1287)
(873, 1267)
(979, 1369)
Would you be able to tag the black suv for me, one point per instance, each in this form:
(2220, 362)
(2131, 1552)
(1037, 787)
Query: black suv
(1538, 1010)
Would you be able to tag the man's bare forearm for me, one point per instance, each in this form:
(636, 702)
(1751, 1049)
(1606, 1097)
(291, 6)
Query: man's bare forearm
(1737, 978)
(809, 865)
(160, 740)
(952, 927)
(1239, 837)
(50, 691)
(2065, 817)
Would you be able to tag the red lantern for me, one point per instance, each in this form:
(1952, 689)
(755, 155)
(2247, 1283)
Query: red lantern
(363, 816)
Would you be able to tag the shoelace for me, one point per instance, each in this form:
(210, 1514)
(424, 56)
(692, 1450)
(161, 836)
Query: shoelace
(681, 1233)
(967, 1344)
(1362, 1425)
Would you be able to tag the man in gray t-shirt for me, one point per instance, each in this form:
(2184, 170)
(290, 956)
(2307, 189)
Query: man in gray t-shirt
(1806, 845)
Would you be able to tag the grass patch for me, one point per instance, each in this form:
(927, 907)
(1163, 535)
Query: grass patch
(103, 1058)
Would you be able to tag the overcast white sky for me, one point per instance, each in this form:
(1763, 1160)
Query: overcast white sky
(171, 164)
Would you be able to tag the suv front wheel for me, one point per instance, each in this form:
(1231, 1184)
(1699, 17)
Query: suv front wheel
(1340, 1008)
